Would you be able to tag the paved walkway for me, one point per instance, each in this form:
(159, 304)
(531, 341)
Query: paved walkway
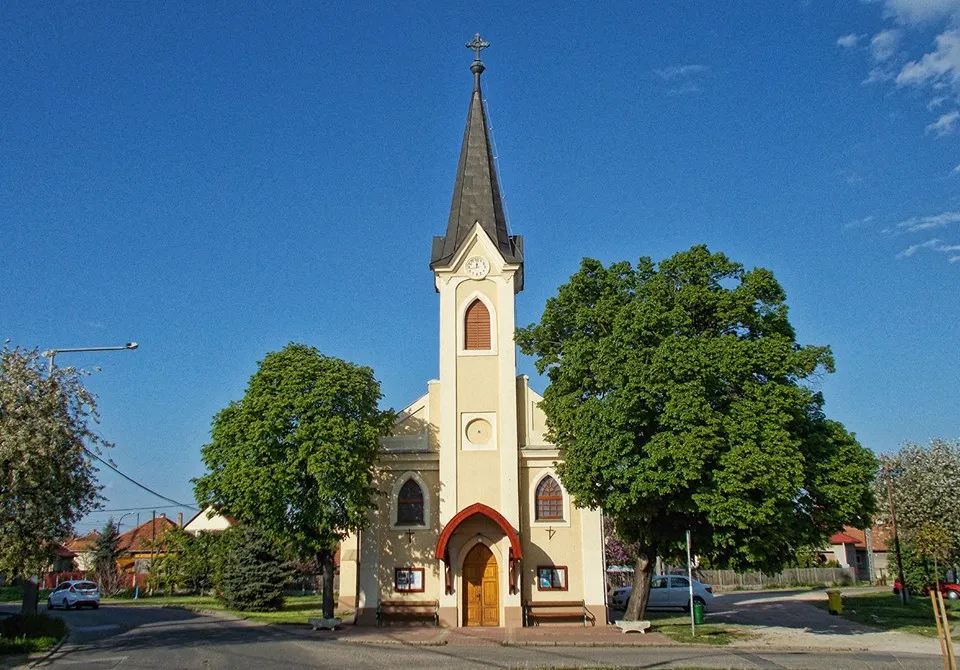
(789, 619)
(539, 636)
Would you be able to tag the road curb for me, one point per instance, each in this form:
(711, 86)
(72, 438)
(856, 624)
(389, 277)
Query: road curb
(33, 660)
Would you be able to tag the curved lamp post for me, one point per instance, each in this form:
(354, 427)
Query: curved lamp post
(51, 353)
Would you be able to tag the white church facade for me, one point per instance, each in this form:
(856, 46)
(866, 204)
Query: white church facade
(472, 515)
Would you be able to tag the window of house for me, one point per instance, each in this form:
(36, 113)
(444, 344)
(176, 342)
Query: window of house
(410, 504)
(408, 580)
(549, 500)
(476, 325)
(552, 578)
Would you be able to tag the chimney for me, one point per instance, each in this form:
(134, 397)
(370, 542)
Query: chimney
(180, 519)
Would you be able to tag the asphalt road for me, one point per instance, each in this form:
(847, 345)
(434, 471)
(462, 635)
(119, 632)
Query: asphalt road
(151, 637)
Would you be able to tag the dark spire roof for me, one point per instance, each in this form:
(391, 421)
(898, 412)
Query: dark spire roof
(476, 192)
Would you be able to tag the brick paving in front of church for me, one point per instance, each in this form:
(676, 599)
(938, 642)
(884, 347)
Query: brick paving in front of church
(538, 636)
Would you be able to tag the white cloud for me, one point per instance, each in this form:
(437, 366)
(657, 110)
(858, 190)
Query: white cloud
(939, 66)
(858, 223)
(884, 45)
(921, 11)
(918, 223)
(936, 102)
(878, 74)
(914, 248)
(933, 245)
(848, 41)
(679, 71)
(955, 170)
(945, 125)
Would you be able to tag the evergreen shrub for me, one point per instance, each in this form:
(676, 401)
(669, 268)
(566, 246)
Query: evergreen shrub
(254, 574)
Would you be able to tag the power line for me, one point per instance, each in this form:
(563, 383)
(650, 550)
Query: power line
(134, 481)
(136, 509)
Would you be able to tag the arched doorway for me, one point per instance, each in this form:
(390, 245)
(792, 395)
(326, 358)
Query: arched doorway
(481, 588)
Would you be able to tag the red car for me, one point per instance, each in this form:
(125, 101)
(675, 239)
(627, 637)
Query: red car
(949, 591)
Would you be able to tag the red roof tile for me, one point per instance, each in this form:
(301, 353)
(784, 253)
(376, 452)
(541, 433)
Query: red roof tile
(139, 538)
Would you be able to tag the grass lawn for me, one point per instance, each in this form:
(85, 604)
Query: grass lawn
(25, 635)
(677, 628)
(883, 610)
(296, 609)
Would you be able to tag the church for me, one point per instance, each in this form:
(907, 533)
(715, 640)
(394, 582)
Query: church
(472, 516)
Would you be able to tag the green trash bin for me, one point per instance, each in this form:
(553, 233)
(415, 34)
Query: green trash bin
(698, 612)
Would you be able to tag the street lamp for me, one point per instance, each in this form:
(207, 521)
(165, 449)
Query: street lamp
(50, 353)
(122, 517)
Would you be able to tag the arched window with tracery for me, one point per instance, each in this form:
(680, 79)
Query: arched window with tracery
(549, 500)
(410, 504)
(476, 323)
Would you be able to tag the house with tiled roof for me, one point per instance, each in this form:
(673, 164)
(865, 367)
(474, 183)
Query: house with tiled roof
(83, 547)
(209, 520)
(137, 547)
(860, 549)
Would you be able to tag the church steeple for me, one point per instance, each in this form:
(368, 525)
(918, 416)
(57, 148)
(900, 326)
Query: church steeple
(476, 192)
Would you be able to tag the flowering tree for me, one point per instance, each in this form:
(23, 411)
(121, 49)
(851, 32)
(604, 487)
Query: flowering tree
(925, 481)
(47, 476)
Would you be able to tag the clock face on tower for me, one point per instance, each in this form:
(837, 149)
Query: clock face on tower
(477, 267)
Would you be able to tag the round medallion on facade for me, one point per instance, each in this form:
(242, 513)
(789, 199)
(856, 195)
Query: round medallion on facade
(477, 267)
(479, 431)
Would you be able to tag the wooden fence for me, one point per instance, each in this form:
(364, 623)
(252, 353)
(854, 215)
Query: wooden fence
(728, 580)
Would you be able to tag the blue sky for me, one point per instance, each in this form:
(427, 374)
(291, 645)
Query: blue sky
(215, 181)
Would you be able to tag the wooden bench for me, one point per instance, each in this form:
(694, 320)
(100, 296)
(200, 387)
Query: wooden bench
(557, 609)
(421, 608)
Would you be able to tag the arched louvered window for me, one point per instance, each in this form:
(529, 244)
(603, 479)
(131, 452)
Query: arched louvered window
(549, 500)
(476, 325)
(410, 504)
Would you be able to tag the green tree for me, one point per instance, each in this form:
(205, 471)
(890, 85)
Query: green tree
(681, 400)
(295, 456)
(106, 551)
(254, 574)
(47, 477)
(925, 481)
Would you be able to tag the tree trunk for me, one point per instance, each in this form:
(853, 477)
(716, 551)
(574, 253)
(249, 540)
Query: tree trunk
(643, 572)
(325, 558)
(31, 593)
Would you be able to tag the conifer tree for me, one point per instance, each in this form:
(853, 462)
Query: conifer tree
(105, 554)
(254, 574)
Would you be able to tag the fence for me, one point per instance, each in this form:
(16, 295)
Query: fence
(728, 580)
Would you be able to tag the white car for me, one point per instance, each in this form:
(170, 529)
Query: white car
(666, 591)
(74, 593)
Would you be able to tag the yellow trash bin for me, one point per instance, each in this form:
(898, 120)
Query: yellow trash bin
(834, 601)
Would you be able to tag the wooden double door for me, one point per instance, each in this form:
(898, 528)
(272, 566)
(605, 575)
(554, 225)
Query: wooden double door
(481, 588)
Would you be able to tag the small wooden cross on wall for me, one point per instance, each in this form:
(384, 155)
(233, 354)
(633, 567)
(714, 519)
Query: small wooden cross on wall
(409, 536)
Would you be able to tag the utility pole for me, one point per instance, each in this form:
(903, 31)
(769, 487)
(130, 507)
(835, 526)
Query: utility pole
(896, 537)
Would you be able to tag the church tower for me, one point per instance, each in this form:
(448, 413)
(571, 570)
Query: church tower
(473, 520)
(478, 269)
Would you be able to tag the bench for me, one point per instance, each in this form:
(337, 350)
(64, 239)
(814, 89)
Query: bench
(430, 608)
(557, 609)
(632, 626)
(326, 624)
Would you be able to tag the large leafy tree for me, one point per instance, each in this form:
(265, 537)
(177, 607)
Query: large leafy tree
(47, 476)
(681, 400)
(294, 458)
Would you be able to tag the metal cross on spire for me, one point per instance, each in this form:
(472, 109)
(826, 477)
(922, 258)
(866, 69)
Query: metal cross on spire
(477, 45)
